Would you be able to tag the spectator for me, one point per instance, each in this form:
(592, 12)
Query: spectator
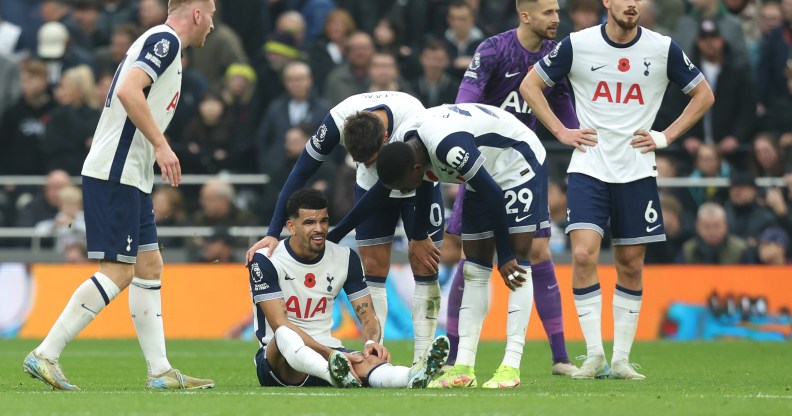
(708, 165)
(712, 243)
(462, 37)
(44, 206)
(328, 50)
(223, 48)
(194, 86)
(768, 158)
(745, 216)
(108, 58)
(71, 128)
(352, 77)
(115, 13)
(86, 15)
(583, 14)
(207, 146)
(389, 39)
(25, 15)
(293, 23)
(778, 120)
(747, 13)
(152, 13)
(280, 49)
(780, 206)
(218, 247)
(9, 83)
(666, 13)
(773, 59)
(58, 11)
(24, 124)
(435, 86)
(730, 123)
(293, 145)
(10, 35)
(297, 106)
(168, 205)
(68, 225)
(240, 83)
(218, 208)
(678, 230)
(315, 14)
(770, 17)
(688, 27)
(384, 74)
(773, 247)
(649, 18)
(56, 49)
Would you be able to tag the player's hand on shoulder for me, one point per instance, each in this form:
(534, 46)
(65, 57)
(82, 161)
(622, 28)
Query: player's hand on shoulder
(268, 242)
(376, 349)
(513, 275)
(578, 138)
(168, 163)
(424, 254)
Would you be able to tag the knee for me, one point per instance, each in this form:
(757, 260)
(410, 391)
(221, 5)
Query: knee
(540, 253)
(631, 267)
(149, 268)
(584, 256)
(376, 265)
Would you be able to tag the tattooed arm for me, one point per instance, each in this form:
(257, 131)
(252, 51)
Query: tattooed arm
(370, 327)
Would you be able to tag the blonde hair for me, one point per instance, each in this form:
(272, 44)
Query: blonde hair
(82, 78)
(174, 5)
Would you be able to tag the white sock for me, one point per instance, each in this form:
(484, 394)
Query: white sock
(588, 302)
(625, 321)
(86, 302)
(473, 310)
(520, 304)
(299, 356)
(387, 375)
(145, 305)
(379, 297)
(425, 308)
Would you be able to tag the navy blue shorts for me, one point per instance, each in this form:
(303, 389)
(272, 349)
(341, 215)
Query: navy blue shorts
(525, 205)
(455, 220)
(632, 209)
(267, 377)
(380, 227)
(119, 220)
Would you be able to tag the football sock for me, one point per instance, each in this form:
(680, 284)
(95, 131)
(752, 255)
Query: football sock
(548, 307)
(425, 307)
(299, 356)
(379, 297)
(387, 375)
(626, 306)
(145, 306)
(475, 305)
(588, 302)
(520, 303)
(452, 317)
(87, 301)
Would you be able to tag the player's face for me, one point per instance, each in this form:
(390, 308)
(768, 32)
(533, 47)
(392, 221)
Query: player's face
(409, 182)
(624, 12)
(309, 230)
(542, 18)
(203, 16)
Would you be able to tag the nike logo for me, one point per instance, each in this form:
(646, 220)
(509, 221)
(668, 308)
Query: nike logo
(88, 309)
(464, 307)
(632, 311)
(550, 287)
(288, 278)
(508, 75)
(511, 312)
(159, 315)
(432, 233)
(518, 219)
(431, 318)
(580, 315)
(178, 72)
(593, 68)
(650, 229)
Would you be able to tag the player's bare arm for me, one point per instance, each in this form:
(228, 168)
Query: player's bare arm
(701, 100)
(370, 328)
(275, 312)
(531, 90)
(130, 93)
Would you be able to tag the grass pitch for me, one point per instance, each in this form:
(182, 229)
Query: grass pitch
(725, 378)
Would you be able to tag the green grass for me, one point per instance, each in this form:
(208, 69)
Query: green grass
(726, 378)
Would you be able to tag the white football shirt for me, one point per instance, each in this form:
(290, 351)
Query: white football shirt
(120, 152)
(308, 288)
(618, 90)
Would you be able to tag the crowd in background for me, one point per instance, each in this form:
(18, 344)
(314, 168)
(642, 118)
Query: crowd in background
(272, 69)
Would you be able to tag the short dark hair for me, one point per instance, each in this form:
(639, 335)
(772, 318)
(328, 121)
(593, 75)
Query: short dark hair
(394, 161)
(363, 133)
(305, 198)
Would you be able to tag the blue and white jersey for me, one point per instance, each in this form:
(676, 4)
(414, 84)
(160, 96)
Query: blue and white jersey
(461, 138)
(618, 90)
(399, 107)
(120, 152)
(308, 288)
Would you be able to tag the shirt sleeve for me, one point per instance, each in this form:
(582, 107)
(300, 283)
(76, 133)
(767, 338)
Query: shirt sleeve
(263, 279)
(557, 64)
(680, 70)
(159, 51)
(355, 285)
(484, 63)
(458, 151)
(324, 140)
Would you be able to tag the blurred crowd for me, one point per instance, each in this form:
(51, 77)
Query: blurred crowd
(272, 69)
